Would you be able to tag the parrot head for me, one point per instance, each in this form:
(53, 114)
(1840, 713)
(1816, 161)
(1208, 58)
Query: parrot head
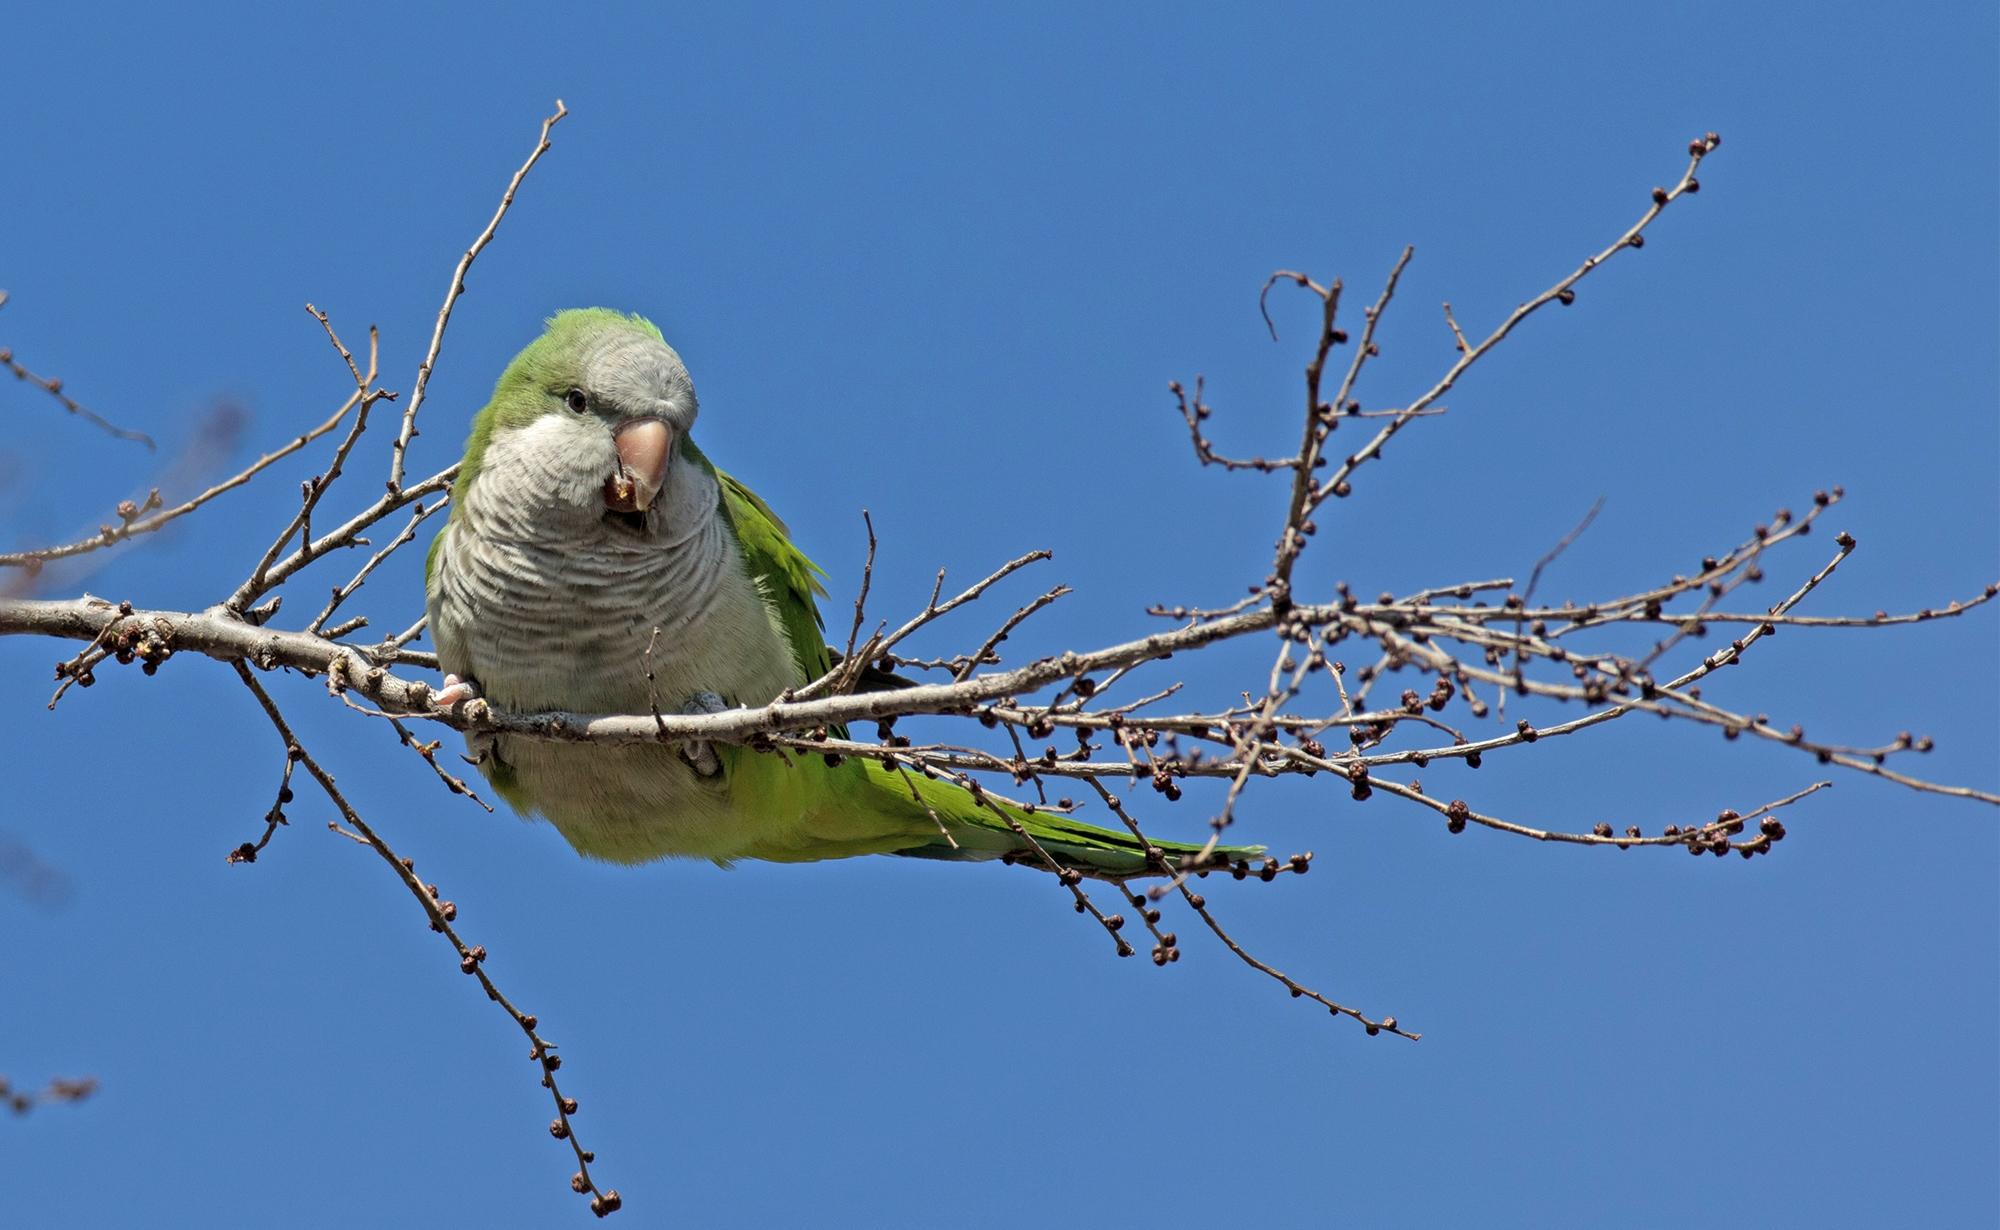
(593, 414)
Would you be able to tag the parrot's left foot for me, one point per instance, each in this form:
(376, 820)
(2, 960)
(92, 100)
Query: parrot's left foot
(699, 753)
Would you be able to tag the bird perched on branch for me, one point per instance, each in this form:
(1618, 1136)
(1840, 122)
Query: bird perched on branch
(590, 545)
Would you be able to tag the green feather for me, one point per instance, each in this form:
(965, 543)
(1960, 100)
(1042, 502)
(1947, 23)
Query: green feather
(639, 802)
(933, 819)
(791, 581)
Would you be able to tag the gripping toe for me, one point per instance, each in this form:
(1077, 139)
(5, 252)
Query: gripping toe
(698, 754)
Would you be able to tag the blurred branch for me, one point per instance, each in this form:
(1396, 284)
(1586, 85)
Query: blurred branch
(132, 523)
(27, 877)
(21, 1101)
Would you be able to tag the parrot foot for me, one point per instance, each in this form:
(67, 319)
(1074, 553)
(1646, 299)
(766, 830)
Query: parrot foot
(454, 691)
(699, 753)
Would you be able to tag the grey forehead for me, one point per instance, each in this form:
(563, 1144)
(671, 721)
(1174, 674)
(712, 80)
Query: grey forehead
(638, 373)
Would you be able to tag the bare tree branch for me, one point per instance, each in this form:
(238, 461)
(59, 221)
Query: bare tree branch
(1445, 657)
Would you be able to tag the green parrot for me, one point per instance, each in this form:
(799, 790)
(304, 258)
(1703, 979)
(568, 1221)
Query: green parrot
(583, 520)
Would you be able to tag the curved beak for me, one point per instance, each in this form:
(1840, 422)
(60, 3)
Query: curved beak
(644, 448)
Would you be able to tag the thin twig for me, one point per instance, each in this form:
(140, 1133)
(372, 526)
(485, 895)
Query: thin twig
(54, 388)
(408, 431)
(112, 535)
(441, 913)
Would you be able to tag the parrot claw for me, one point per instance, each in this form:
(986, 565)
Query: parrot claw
(699, 753)
(484, 746)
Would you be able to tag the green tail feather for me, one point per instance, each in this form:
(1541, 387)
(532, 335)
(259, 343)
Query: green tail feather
(979, 830)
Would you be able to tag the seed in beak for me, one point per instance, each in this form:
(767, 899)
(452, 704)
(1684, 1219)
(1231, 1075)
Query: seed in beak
(644, 448)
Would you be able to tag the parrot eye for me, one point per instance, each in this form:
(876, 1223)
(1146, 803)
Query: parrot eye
(576, 401)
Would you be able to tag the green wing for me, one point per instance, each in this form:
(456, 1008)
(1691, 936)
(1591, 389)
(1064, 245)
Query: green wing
(788, 577)
(869, 809)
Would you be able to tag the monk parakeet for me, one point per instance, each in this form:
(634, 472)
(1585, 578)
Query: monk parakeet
(584, 518)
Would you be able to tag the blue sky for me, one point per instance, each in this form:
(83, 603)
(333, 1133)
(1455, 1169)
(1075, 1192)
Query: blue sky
(943, 267)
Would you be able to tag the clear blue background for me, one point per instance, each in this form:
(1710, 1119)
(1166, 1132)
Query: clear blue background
(943, 267)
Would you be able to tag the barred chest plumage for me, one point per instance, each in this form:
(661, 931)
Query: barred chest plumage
(548, 604)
